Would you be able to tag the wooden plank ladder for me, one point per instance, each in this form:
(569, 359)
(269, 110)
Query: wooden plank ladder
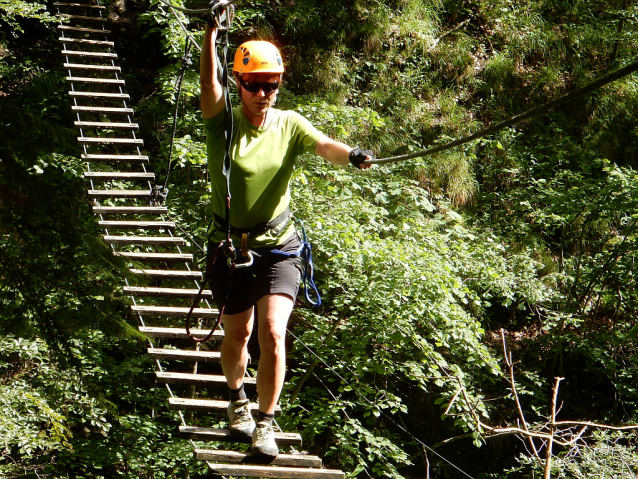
(166, 280)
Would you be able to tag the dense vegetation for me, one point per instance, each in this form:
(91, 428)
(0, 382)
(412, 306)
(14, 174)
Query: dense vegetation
(423, 265)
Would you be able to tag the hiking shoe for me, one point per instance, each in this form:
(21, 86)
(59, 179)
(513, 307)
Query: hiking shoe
(240, 420)
(264, 440)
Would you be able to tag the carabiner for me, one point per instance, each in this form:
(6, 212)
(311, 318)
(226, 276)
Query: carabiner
(232, 263)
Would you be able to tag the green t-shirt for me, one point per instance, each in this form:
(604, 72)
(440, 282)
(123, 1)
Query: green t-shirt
(263, 159)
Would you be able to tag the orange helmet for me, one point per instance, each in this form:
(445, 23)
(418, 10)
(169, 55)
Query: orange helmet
(258, 56)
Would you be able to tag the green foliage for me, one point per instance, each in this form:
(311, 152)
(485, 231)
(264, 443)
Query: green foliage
(15, 10)
(92, 420)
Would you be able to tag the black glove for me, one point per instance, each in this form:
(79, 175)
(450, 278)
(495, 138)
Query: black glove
(357, 157)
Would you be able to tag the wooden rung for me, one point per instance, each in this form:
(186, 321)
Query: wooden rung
(130, 210)
(106, 125)
(234, 457)
(149, 240)
(126, 158)
(187, 378)
(83, 140)
(275, 472)
(76, 53)
(109, 81)
(166, 292)
(97, 94)
(101, 68)
(186, 355)
(119, 193)
(168, 274)
(101, 109)
(174, 312)
(210, 405)
(87, 41)
(81, 5)
(83, 30)
(147, 225)
(81, 18)
(149, 257)
(178, 333)
(118, 175)
(211, 434)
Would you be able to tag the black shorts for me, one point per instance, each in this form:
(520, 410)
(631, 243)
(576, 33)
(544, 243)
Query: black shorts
(270, 273)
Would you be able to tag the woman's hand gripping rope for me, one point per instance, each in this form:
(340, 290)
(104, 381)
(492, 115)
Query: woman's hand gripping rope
(220, 15)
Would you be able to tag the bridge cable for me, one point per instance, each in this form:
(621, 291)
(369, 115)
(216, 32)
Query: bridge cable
(399, 426)
(571, 96)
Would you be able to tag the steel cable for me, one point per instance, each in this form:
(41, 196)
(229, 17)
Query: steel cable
(571, 96)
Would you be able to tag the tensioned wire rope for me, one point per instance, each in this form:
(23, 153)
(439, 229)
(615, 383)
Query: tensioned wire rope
(381, 412)
(539, 110)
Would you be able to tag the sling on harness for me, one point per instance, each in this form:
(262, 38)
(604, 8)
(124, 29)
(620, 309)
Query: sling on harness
(304, 252)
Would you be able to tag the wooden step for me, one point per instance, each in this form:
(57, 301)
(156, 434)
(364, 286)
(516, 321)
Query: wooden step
(103, 109)
(110, 141)
(275, 472)
(106, 125)
(119, 193)
(147, 240)
(209, 405)
(211, 434)
(130, 210)
(81, 18)
(186, 378)
(108, 81)
(179, 333)
(87, 41)
(80, 5)
(97, 68)
(119, 175)
(146, 225)
(174, 312)
(187, 355)
(108, 158)
(156, 257)
(78, 53)
(83, 30)
(98, 94)
(168, 274)
(144, 240)
(167, 292)
(292, 460)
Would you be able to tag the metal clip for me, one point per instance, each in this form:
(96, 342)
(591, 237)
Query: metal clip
(246, 264)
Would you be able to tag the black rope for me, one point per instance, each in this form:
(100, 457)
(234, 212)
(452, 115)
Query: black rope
(198, 12)
(227, 246)
(571, 96)
(160, 193)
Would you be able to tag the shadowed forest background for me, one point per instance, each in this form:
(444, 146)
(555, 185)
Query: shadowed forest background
(423, 265)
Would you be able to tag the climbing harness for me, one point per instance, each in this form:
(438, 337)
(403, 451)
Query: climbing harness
(571, 96)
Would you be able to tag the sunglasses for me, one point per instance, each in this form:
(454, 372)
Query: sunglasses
(255, 86)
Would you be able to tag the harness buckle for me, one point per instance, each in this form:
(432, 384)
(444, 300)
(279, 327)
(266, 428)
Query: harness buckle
(245, 240)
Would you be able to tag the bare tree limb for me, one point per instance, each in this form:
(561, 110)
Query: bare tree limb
(510, 366)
